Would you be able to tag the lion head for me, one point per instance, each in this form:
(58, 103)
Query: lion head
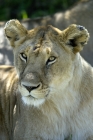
(44, 58)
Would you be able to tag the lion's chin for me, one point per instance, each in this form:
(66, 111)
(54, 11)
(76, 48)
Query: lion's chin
(32, 101)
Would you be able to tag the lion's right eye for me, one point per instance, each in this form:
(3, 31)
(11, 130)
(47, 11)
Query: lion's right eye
(23, 57)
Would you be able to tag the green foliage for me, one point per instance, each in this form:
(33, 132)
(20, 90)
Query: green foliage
(22, 9)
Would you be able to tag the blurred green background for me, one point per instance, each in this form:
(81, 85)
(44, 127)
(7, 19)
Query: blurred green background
(22, 9)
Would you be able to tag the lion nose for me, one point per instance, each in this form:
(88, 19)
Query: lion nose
(30, 88)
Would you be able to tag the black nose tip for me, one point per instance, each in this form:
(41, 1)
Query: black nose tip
(30, 88)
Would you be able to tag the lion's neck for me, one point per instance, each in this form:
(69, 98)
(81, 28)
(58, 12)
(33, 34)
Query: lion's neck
(65, 100)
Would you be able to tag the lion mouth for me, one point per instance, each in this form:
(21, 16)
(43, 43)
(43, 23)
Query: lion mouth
(30, 96)
(39, 96)
(34, 94)
(35, 97)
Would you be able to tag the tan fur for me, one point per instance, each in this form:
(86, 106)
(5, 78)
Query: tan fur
(48, 95)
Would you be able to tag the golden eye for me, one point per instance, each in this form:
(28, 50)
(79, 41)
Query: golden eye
(23, 57)
(51, 60)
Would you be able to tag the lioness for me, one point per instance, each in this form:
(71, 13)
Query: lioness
(48, 95)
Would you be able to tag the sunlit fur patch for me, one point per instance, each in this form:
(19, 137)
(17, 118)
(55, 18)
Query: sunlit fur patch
(32, 101)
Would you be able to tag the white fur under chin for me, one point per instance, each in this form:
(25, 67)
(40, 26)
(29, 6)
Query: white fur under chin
(32, 101)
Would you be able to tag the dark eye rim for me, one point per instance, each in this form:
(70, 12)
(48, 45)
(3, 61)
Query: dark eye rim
(24, 57)
(48, 61)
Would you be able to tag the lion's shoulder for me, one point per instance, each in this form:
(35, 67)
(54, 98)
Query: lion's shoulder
(6, 70)
(8, 80)
(8, 87)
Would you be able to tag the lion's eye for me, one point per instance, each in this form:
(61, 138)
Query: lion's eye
(51, 60)
(23, 57)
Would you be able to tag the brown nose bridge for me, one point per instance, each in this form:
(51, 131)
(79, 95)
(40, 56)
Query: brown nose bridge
(32, 77)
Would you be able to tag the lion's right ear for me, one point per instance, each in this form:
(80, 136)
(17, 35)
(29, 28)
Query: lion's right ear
(14, 31)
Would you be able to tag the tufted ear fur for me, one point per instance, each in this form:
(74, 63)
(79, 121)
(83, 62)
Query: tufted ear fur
(14, 31)
(75, 36)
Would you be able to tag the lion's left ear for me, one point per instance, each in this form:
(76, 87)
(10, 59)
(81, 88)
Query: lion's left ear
(14, 31)
(75, 36)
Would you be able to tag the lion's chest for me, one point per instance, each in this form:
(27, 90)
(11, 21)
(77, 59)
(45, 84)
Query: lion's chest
(32, 124)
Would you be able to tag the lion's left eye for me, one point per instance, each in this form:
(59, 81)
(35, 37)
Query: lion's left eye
(51, 60)
(23, 57)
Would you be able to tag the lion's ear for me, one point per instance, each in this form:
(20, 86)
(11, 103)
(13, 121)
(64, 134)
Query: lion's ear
(75, 36)
(14, 31)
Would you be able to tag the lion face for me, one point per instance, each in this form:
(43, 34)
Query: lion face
(44, 58)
